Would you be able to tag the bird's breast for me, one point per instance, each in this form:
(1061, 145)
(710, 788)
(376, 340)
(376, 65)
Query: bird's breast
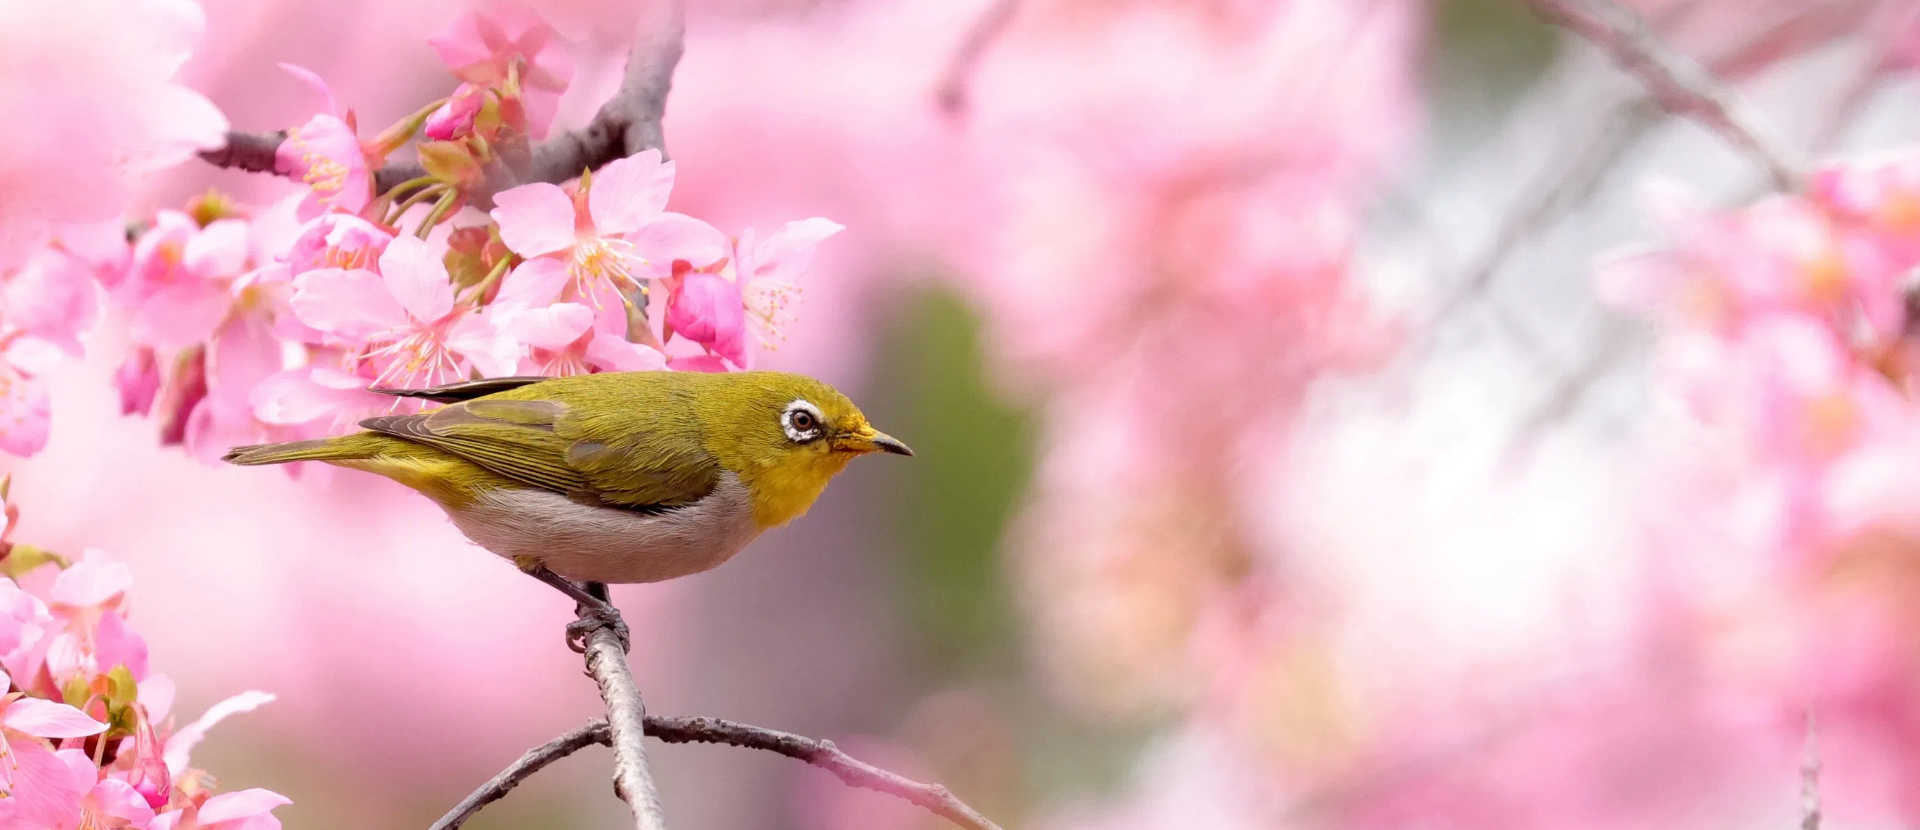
(606, 544)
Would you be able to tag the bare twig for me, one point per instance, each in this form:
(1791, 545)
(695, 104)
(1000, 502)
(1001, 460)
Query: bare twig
(951, 94)
(1810, 779)
(680, 730)
(626, 124)
(626, 719)
(1676, 82)
(533, 761)
(252, 152)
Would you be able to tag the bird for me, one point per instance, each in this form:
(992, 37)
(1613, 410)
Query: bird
(616, 477)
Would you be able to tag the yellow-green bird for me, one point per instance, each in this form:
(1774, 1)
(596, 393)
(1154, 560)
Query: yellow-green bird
(615, 477)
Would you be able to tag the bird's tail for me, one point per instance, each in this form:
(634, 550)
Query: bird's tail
(339, 448)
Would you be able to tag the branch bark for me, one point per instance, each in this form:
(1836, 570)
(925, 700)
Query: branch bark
(1680, 85)
(627, 123)
(933, 798)
(606, 658)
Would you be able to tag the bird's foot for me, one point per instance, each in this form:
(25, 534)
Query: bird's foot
(594, 618)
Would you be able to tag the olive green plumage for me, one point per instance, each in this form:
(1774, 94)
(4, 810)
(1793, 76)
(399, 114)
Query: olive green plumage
(639, 442)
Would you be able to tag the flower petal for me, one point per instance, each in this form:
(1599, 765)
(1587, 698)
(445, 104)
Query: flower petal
(553, 327)
(218, 250)
(95, 580)
(417, 278)
(492, 351)
(628, 192)
(181, 744)
(352, 304)
(532, 284)
(534, 218)
(47, 719)
(615, 354)
(240, 805)
(672, 237)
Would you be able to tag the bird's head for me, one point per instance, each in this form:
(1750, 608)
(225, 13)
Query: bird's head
(786, 436)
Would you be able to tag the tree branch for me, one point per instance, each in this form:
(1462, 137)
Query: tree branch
(252, 152)
(1677, 83)
(606, 659)
(533, 761)
(679, 730)
(951, 94)
(626, 124)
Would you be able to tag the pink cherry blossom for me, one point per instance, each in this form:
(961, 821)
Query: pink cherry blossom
(336, 240)
(38, 783)
(244, 810)
(24, 406)
(567, 338)
(769, 271)
(623, 199)
(406, 318)
(94, 636)
(509, 41)
(137, 381)
(179, 283)
(454, 119)
(316, 400)
(53, 296)
(97, 79)
(706, 308)
(326, 155)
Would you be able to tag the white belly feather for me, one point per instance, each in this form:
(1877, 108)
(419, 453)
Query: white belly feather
(610, 545)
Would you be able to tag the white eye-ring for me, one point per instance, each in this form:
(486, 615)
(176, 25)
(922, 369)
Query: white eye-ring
(802, 421)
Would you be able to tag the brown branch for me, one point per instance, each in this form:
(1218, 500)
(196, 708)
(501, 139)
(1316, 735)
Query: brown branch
(252, 152)
(679, 730)
(627, 123)
(1810, 779)
(606, 655)
(533, 761)
(951, 94)
(1680, 85)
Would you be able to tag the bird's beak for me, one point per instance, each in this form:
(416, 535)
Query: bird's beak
(869, 440)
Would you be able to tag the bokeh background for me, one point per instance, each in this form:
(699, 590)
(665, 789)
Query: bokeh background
(1277, 464)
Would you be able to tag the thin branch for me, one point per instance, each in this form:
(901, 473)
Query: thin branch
(627, 123)
(252, 152)
(533, 761)
(1810, 779)
(951, 94)
(1680, 85)
(821, 753)
(681, 730)
(626, 718)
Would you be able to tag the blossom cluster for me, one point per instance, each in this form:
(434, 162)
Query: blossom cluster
(248, 325)
(88, 736)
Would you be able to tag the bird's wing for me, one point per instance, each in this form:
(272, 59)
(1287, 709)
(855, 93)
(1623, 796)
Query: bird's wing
(542, 443)
(463, 391)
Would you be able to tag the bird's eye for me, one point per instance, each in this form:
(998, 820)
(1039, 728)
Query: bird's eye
(801, 421)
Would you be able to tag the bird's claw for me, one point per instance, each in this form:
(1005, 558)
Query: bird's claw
(593, 619)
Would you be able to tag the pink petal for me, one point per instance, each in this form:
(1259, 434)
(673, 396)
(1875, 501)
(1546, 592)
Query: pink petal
(313, 82)
(615, 354)
(114, 798)
(672, 237)
(786, 254)
(461, 45)
(24, 420)
(239, 805)
(299, 396)
(116, 644)
(706, 308)
(698, 363)
(169, 820)
(181, 744)
(628, 192)
(93, 581)
(492, 351)
(138, 381)
(534, 219)
(351, 304)
(553, 327)
(417, 278)
(47, 719)
(533, 283)
(48, 786)
(218, 250)
(455, 117)
(53, 296)
(180, 314)
(156, 694)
